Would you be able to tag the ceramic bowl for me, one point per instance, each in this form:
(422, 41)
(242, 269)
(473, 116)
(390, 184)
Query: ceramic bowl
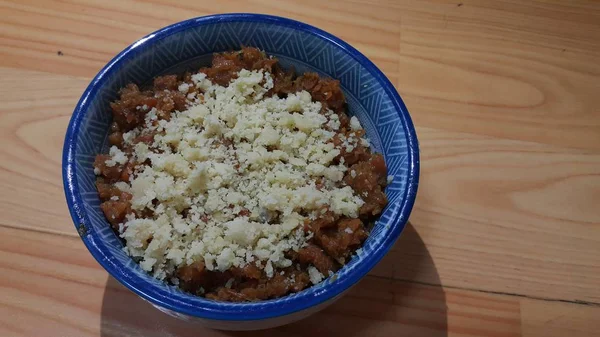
(370, 95)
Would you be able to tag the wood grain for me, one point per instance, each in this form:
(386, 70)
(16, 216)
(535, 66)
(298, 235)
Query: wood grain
(509, 216)
(504, 95)
(32, 129)
(53, 280)
(504, 70)
(559, 319)
(514, 230)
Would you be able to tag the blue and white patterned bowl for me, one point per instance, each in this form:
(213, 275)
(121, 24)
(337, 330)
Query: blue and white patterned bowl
(371, 97)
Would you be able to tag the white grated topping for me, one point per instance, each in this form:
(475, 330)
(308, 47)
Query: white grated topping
(315, 275)
(243, 167)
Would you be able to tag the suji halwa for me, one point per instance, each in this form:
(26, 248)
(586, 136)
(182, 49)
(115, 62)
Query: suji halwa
(240, 182)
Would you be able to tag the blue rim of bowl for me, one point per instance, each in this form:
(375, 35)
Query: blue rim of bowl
(221, 310)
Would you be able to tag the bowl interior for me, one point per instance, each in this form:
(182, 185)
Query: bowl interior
(189, 45)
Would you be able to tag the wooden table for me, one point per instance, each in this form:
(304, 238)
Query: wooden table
(504, 239)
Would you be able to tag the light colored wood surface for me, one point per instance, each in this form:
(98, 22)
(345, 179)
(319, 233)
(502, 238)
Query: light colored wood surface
(505, 235)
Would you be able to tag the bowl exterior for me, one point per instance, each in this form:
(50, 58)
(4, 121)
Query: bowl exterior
(244, 325)
(187, 45)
